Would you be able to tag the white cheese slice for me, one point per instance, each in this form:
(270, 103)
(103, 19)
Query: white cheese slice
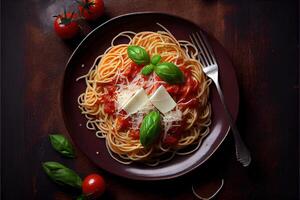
(136, 102)
(162, 100)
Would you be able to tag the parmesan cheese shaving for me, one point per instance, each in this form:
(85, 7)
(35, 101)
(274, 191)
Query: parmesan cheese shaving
(170, 119)
(162, 100)
(126, 91)
(136, 102)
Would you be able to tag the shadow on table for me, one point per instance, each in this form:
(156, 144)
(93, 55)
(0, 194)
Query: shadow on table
(206, 177)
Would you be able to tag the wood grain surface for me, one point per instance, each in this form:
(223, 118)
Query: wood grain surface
(261, 38)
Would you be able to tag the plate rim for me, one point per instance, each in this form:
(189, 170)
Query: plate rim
(183, 172)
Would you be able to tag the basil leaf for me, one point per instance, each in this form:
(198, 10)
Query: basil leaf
(148, 69)
(62, 175)
(150, 128)
(138, 55)
(62, 145)
(169, 72)
(155, 59)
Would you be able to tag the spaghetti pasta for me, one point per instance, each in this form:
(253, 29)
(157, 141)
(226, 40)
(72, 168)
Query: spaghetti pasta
(114, 77)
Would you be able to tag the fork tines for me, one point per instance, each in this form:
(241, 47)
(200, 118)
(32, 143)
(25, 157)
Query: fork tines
(205, 55)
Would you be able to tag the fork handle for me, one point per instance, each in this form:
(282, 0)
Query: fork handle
(242, 152)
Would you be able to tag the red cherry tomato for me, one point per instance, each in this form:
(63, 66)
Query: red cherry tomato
(65, 26)
(93, 186)
(91, 9)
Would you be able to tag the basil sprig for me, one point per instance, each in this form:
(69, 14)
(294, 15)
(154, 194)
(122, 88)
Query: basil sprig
(169, 72)
(138, 54)
(155, 59)
(61, 144)
(148, 69)
(62, 175)
(150, 128)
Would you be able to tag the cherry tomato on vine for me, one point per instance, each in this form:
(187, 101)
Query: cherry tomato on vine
(91, 9)
(93, 186)
(65, 25)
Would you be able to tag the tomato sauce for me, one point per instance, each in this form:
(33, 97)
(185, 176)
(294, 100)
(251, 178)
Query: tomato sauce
(133, 71)
(109, 99)
(175, 133)
(122, 123)
(134, 134)
(185, 94)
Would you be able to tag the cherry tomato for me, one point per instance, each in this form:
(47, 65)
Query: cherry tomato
(91, 9)
(65, 26)
(93, 186)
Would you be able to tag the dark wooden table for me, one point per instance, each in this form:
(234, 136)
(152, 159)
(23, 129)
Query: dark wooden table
(261, 38)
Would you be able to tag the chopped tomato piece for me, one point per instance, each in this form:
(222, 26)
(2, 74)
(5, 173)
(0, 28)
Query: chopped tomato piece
(123, 112)
(127, 71)
(134, 135)
(111, 89)
(132, 71)
(157, 78)
(122, 123)
(170, 140)
(173, 89)
(109, 108)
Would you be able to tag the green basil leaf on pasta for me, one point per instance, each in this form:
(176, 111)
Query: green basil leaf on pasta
(138, 55)
(155, 59)
(62, 145)
(62, 175)
(148, 69)
(150, 128)
(169, 72)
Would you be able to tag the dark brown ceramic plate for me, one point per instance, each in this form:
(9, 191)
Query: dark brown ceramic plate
(95, 44)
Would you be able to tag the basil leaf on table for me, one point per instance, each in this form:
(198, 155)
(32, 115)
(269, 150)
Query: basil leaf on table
(169, 72)
(150, 128)
(148, 69)
(62, 175)
(155, 59)
(138, 55)
(61, 144)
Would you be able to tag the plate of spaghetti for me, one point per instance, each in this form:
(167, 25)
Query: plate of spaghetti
(136, 101)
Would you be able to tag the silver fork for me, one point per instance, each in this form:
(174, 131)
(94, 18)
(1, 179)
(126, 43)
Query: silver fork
(210, 68)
